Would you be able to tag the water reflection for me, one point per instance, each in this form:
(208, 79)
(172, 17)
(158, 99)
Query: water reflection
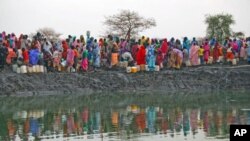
(127, 121)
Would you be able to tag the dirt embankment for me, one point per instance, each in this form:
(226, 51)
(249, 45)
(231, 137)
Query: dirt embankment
(205, 78)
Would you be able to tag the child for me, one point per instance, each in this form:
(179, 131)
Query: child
(201, 55)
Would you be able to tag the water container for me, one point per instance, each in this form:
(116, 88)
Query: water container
(64, 63)
(133, 69)
(23, 69)
(14, 68)
(234, 62)
(188, 64)
(33, 69)
(18, 70)
(128, 69)
(142, 67)
(30, 69)
(41, 68)
(157, 68)
(37, 68)
(73, 70)
(146, 68)
(138, 68)
(237, 59)
(221, 58)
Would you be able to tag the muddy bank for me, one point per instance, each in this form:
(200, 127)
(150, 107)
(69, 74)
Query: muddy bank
(205, 78)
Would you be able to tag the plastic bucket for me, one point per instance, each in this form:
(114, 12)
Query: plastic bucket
(133, 69)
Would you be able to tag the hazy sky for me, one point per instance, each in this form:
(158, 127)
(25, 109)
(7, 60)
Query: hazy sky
(176, 18)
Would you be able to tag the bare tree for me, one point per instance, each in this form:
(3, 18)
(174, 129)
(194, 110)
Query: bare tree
(127, 23)
(49, 33)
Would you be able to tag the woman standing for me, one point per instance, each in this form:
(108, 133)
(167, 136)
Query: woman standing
(230, 54)
(57, 55)
(114, 55)
(70, 58)
(151, 57)
(206, 52)
(85, 60)
(216, 52)
(25, 55)
(194, 56)
(141, 56)
(178, 58)
(65, 49)
(96, 55)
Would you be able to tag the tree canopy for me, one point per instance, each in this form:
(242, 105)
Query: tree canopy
(48, 33)
(127, 23)
(219, 26)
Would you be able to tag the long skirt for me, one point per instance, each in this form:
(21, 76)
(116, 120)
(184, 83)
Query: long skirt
(85, 64)
(151, 63)
(178, 61)
(70, 63)
(171, 60)
(230, 56)
(114, 59)
(206, 56)
(96, 61)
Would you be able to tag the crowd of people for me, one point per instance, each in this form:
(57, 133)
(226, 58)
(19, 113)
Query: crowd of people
(77, 54)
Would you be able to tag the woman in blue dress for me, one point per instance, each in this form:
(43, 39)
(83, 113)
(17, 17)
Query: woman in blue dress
(151, 57)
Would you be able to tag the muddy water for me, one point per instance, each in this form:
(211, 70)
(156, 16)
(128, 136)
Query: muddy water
(124, 116)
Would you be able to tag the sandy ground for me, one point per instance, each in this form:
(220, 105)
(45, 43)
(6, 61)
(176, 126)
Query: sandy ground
(203, 78)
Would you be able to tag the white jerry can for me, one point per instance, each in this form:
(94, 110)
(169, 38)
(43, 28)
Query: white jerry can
(18, 70)
(146, 68)
(128, 69)
(138, 68)
(234, 62)
(14, 68)
(41, 68)
(33, 68)
(30, 69)
(23, 69)
(157, 68)
(37, 68)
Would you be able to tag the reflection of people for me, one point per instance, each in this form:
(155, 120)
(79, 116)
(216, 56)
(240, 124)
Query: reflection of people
(151, 117)
(34, 126)
(248, 118)
(115, 119)
(11, 128)
(186, 125)
(141, 121)
(194, 121)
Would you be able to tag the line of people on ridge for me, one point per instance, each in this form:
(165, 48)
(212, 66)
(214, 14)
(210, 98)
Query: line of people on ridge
(73, 54)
